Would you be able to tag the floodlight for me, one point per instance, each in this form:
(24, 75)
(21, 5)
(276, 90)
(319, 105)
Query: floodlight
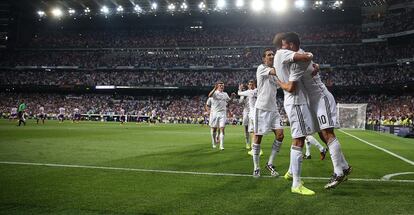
(137, 9)
(257, 5)
(119, 9)
(279, 5)
(87, 10)
(239, 3)
(41, 13)
(171, 7)
(300, 4)
(71, 11)
(57, 12)
(184, 6)
(105, 10)
(202, 6)
(154, 6)
(221, 4)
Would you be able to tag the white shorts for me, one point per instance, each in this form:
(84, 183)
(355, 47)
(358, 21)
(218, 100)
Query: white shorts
(218, 119)
(300, 119)
(325, 110)
(265, 121)
(245, 118)
(251, 125)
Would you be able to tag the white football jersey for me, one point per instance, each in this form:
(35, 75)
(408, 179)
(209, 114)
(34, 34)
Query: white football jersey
(41, 110)
(252, 96)
(13, 110)
(244, 100)
(219, 103)
(122, 111)
(286, 71)
(61, 110)
(314, 86)
(76, 110)
(266, 89)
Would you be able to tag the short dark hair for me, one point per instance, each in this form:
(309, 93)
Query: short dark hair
(266, 50)
(277, 40)
(219, 82)
(292, 37)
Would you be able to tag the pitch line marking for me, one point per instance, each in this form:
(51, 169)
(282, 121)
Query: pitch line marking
(380, 148)
(389, 176)
(182, 172)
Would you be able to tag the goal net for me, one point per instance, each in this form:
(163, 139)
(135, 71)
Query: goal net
(352, 115)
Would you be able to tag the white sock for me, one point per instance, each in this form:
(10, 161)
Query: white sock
(221, 140)
(256, 155)
(213, 137)
(307, 148)
(314, 142)
(296, 164)
(275, 149)
(336, 156)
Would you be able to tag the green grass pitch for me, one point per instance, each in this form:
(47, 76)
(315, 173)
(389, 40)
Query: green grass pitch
(36, 189)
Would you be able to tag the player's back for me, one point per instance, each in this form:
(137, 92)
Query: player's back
(288, 70)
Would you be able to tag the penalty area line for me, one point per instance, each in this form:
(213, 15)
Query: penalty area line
(180, 172)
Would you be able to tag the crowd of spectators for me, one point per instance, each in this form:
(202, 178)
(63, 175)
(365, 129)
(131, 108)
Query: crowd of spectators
(352, 76)
(380, 107)
(185, 36)
(219, 57)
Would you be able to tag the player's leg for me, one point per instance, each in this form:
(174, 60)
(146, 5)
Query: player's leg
(245, 123)
(307, 149)
(277, 128)
(301, 125)
(312, 141)
(222, 125)
(327, 118)
(261, 126)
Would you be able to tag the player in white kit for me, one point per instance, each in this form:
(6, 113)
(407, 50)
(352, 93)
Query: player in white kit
(41, 115)
(76, 115)
(214, 131)
(13, 114)
(295, 104)
(244, 101)
(61, 115)
(323, 108)
(311, 141)
(219, 110)
(266, 114)
(122, 117)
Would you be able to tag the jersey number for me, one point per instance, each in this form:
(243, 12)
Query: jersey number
(322, 119)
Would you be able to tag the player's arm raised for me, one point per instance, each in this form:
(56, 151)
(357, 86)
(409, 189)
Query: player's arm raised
(210, 94)
(287, 86)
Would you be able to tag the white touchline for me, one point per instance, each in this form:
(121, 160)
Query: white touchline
(181, 172)
(382, 149)
(389, 176)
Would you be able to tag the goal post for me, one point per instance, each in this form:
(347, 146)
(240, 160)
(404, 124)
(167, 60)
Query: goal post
(352, 115)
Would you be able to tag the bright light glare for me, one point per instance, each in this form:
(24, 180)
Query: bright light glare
(105, 10)
(202, 6)
(154, 6)
(257, 5)
(221, 4)
(239, 3)
(300, 4)
(87, 10)
(184, 6)
(119, 8)
(138, 9)
(41, 13)
(279, 5)
(71, 11)
(57, 12)
(171, 7)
